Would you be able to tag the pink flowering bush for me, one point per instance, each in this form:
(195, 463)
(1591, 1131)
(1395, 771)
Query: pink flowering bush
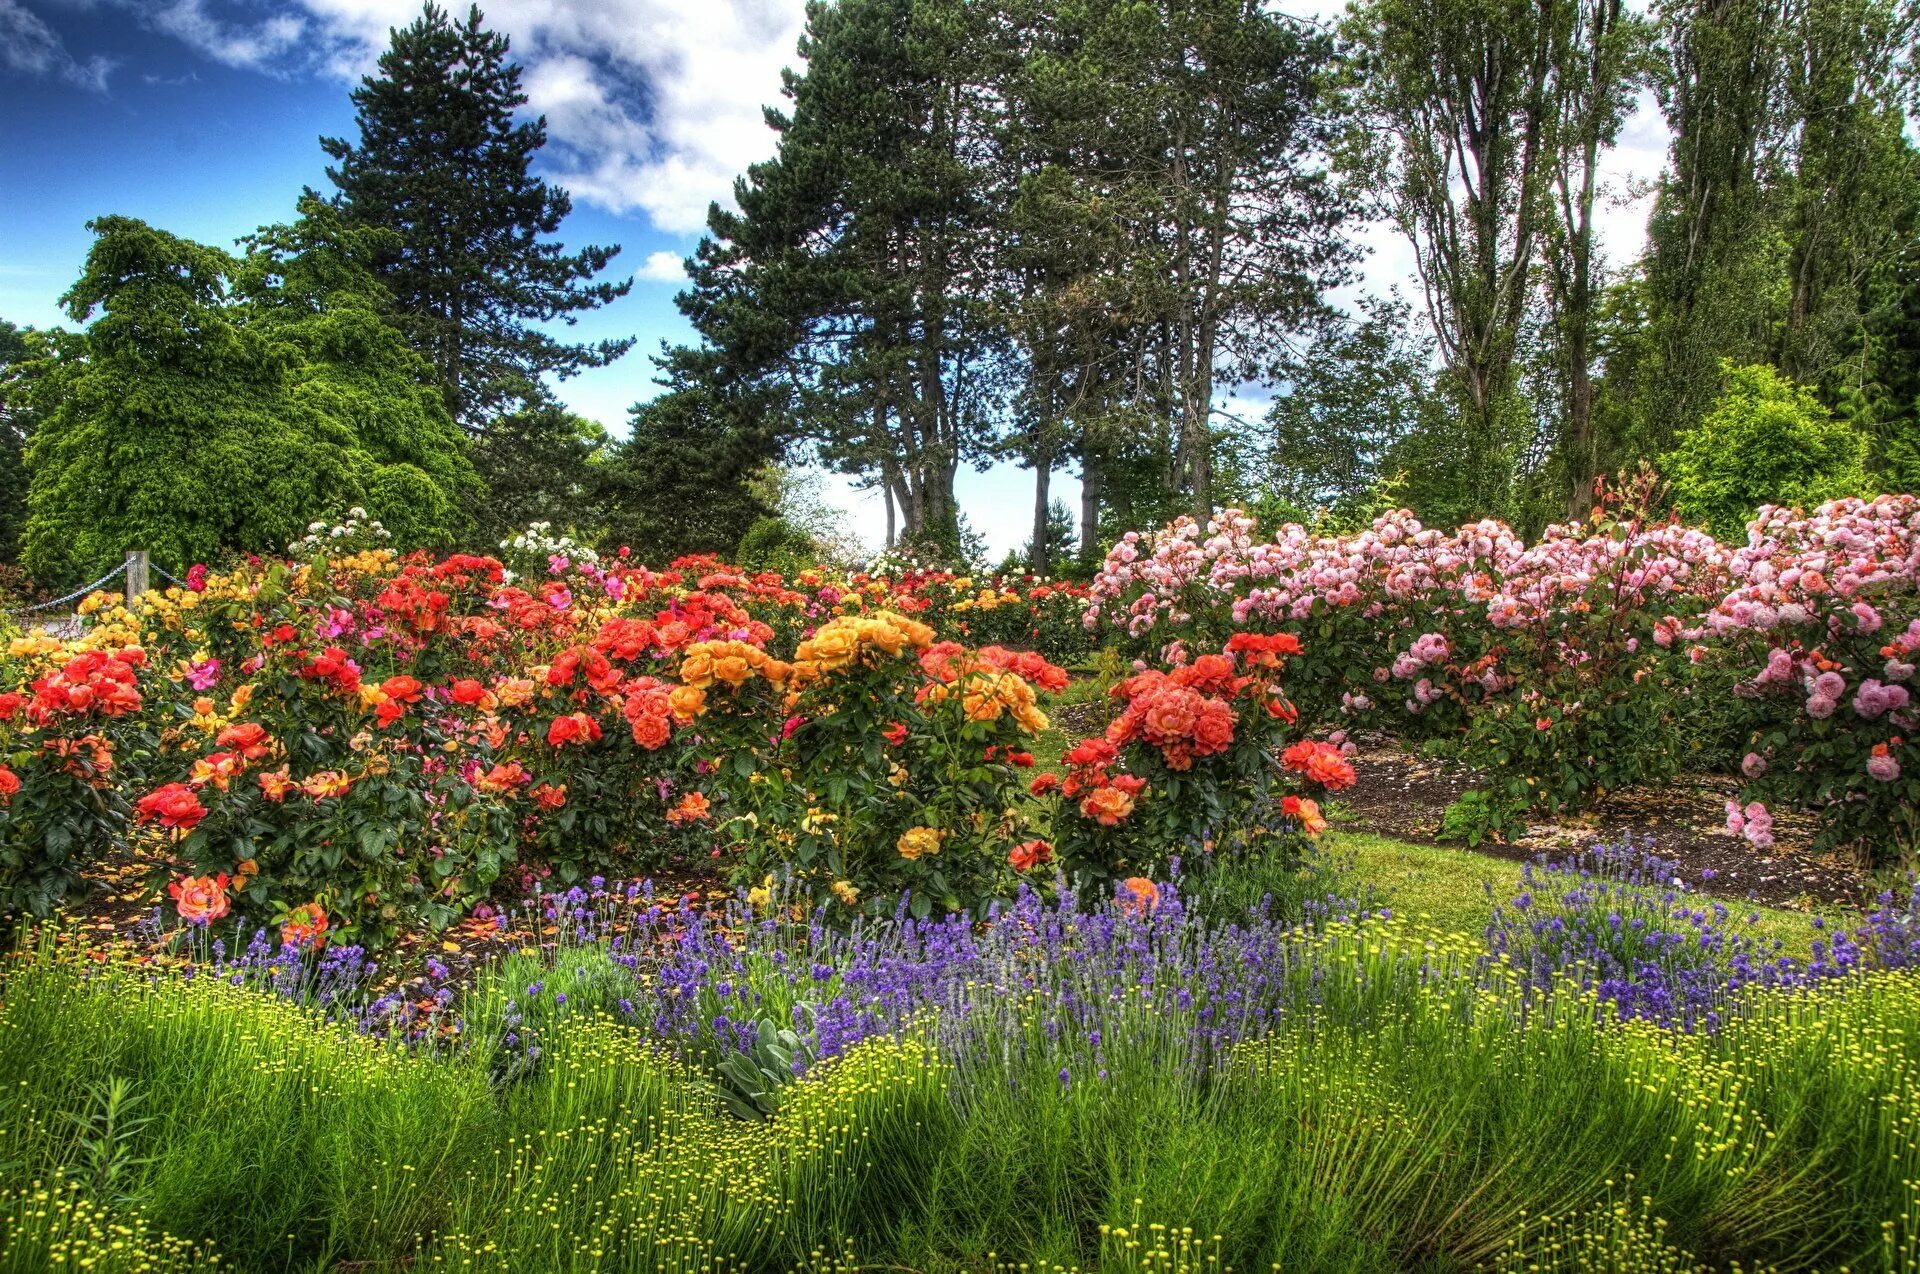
(1822, 632)
(1560, 666)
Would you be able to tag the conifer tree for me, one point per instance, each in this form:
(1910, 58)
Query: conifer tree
(443, 163)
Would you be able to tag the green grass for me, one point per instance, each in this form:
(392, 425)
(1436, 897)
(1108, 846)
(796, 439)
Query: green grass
(1404, 1122)
(1447, 888)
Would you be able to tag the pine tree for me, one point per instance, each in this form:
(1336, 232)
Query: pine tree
(682, 481)
(16, 428)
(442, 162)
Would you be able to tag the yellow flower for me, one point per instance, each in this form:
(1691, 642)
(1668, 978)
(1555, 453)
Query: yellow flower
(846, 892)
(834, 646)
(916, 842)
(760, 897)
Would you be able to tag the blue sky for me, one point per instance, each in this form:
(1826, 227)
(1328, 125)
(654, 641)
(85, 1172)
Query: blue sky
(202, 117)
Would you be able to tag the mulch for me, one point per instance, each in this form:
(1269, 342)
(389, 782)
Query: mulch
(1403, 796)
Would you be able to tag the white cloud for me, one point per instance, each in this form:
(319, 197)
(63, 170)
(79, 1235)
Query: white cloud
(664, 267)
(28, 46)
(653, 106)
(261, 45)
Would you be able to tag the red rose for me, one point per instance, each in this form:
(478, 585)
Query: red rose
(174, 805)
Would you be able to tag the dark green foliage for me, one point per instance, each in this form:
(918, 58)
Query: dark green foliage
(681, 481)
(1059, 542)
(1349, 402)
(220, 404)
(774, 544)
(541, 464)
(1766, 441)
(442, 163)
(16, 429)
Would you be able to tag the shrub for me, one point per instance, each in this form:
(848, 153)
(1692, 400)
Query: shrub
(1766, 441)
(64, 739)
(1188, 769)
(898, 770)
(1822, 632)
(1557, 666)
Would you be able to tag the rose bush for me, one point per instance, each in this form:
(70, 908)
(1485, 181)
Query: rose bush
(357, 742)
(1560, 667)
(1822, 631)
(1192, 767)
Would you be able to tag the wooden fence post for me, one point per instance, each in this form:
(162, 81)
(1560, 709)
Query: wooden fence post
(136, 575)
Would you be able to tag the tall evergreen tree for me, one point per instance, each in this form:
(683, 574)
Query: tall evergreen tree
(851, 280)
(16, 430)
(683, 479)
(443, 163)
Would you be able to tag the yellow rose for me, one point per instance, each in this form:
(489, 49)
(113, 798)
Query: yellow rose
(834, 646)
(916, 842)
(697, 668)
(686, 703)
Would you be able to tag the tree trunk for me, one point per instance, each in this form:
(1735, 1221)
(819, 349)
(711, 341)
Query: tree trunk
(1580, 440)
(1040, 560)
(1089, 513)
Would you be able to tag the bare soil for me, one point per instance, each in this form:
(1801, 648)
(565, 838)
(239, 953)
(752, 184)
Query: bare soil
(1403, 796)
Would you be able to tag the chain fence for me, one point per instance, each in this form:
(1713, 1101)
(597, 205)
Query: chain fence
(72, 597)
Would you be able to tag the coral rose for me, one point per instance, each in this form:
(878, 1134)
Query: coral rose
(1108, 806)
(305, 925)
(175, 806)
(1029, 854)
(693, 808)
(201, 899)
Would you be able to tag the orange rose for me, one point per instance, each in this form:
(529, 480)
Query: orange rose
(173, 806)
(1306, 813)
(326, 783)
(275, 784)
(693, 808)
(1141, 895)
(574, 727)
(247, 738)
(651, 732)
(916, 842)
(1029, 854)
(1213, 731)
(201, 899)
(1107, 806)
(1171, 714)
(1330, 770)
(687, 703)
(697, 668)
(305, 925)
